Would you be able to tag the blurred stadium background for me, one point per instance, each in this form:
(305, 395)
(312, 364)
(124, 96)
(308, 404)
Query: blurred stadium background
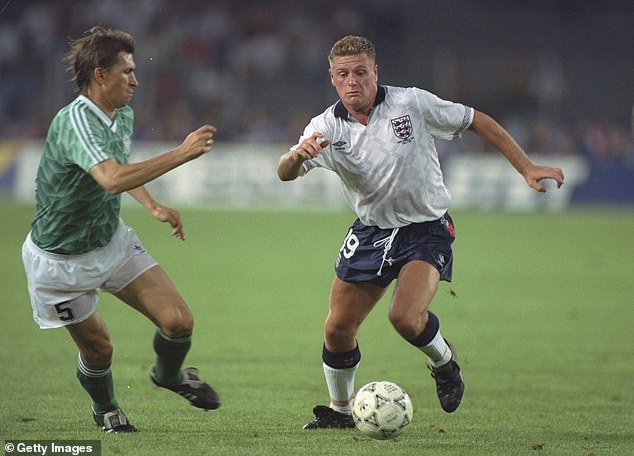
(558, 74)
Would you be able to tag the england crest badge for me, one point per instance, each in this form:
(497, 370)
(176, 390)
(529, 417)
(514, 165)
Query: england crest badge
(402, 127)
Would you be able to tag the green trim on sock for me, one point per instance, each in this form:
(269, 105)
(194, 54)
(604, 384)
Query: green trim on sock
(100, 387)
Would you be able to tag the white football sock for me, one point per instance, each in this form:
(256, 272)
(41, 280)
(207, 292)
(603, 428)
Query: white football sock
(437, 351)
(340, 384)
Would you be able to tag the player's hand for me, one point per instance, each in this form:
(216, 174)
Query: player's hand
(311, 146)
(171, 216)
(198, 142)
(535, 174)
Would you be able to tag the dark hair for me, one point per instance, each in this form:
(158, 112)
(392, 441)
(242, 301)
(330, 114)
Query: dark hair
(100, 47)
(352, 45)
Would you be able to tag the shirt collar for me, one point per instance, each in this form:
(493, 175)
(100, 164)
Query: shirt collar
(341, 111)
(100, 113)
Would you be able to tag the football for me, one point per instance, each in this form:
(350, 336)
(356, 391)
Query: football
(382, 410)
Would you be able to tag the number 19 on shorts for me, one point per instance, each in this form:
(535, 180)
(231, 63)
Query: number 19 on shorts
(350, 244)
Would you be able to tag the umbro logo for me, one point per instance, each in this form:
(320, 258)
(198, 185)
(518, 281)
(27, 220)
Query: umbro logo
(339, 145)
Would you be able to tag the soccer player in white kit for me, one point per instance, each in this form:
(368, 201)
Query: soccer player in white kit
(379, 140)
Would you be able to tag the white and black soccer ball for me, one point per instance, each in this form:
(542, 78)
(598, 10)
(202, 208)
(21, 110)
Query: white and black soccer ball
(382, 410)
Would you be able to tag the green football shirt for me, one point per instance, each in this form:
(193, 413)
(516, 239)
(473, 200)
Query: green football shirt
(74, 214)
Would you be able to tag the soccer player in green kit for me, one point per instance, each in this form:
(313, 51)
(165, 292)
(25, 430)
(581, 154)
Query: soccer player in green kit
(78, 243)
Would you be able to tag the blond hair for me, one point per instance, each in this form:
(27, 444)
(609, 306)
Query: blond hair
(352, 45)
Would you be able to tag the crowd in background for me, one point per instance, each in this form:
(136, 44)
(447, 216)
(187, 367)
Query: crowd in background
(556, 74)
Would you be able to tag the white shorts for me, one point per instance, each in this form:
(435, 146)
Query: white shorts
(63, 288)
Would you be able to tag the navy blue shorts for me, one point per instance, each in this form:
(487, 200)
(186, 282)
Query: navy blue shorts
(372, 254)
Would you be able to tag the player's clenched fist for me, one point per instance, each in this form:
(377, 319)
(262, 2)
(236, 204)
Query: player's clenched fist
(311, 146)
(199, 141)
(290, 165)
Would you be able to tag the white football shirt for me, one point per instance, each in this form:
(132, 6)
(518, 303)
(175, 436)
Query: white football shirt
(389, 169)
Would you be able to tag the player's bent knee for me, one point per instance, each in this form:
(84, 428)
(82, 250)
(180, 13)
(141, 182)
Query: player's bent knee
(339, 335)
(406, 326)
(179, 324)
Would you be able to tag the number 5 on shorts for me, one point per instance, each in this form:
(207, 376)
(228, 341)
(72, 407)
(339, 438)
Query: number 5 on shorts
(64, 311)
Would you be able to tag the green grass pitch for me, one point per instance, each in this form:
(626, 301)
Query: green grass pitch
(540, 310)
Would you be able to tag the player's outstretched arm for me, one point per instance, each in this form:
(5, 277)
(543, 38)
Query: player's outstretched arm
(496, 136)
(116, 178)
